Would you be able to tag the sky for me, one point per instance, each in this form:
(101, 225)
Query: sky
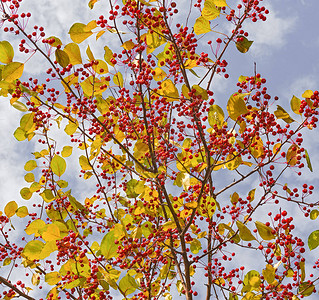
(285, 50)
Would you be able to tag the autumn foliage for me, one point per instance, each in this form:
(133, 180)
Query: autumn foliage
(182, 190)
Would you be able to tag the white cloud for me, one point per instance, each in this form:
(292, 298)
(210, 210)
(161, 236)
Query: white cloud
(272, 34)
(299, 85)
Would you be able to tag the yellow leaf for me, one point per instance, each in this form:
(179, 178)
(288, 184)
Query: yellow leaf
(79, 32)
(295, 105)
(108, 55)
(52, 278)
(73, 51)
(84, 163)
(101, 67)
(25, 193)
(6, 52)
(12, 71)
(118, 79)
(220, 3)
(236, 106)
(89, 53)
(159, 74)
(58, 165)
(201, 26)
(169, 89)
(91, 3)
(71, 128)
(10, 209)
(29, 177)
(34, 227)
(22, 212)
(100, 33)
(307, 94)
(91, 25)
(51, 233)
(67, 151)
(62, 58)
(30, 165)
(291, 155)
(128, 45)
(56, 42)
(210, 12)
(280, 113)
(192, 204)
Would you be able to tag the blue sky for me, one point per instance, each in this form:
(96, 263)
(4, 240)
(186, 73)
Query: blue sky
(285, 49)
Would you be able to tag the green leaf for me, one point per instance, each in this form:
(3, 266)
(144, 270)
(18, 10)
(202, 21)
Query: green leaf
(6, 52)
(264, 231)
(243, 44)
(12, 71)
(74, 53)
(244, 232)
(308, 161)
(313, 240)
(210, 12)
(280, 113)
(30, 165)
(108, 247)
(127, 285)
(10, 209)
(58, 165)
(236, 106)
(79, 32)
(201, 26)
(52, 278)
(62, 58)
(32, 250)
(22, 212)
(196, 246)
(295, 105)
